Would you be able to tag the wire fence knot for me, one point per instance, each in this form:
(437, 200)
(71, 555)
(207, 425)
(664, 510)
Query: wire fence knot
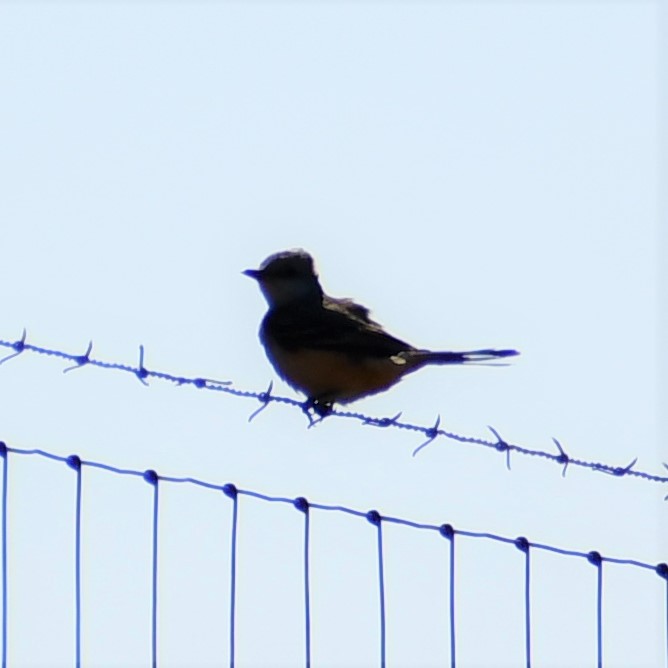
(74, 462)
(230, 490)
(301, 504)
(595, 558)
(447, 531)
(151, 477)
(374, 517)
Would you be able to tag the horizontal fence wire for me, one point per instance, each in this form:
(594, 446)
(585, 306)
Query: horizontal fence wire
(265, 398)
(301, 504)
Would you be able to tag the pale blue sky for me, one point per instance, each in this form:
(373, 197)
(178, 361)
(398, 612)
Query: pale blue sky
(480, 175)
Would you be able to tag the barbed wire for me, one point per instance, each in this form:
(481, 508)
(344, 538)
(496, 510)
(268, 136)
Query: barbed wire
(303, 506)
(265, 398)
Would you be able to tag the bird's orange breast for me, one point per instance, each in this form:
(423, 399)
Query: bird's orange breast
(335, 376)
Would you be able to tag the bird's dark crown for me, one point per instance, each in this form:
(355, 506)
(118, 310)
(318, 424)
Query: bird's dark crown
(288, 264)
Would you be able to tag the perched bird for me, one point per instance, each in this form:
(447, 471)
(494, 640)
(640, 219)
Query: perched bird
(328, 348)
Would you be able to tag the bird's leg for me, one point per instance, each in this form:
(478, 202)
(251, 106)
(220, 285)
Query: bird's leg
(320, 407)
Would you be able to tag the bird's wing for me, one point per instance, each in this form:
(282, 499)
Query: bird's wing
(338, 325)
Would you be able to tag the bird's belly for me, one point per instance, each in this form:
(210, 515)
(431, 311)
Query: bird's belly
(335, 376)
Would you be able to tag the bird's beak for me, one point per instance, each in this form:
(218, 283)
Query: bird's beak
(253, 273)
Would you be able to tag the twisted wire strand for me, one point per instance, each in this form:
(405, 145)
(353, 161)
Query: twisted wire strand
(265, 398)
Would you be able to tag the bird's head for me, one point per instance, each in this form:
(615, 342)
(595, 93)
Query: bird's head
(286, 277)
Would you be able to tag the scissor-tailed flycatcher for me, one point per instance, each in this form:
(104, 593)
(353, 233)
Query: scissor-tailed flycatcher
(329, 348)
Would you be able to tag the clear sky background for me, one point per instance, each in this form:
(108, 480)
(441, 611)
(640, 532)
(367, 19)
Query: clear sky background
(481, 174)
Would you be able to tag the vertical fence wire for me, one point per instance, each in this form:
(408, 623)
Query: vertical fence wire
(231, 491)
(599, 614)
(75, 463)
(5, 458)
(307, 590)
(374, 517)
(381, 591)
(527, 605)
(453, 652)
(151, 477)
(301, 504)
(596, 560)
(447, 531)
(522, 544)
(666, 620)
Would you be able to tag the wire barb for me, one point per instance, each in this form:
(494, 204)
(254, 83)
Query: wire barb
(617, 470)
(204, 383)
(81, 360)
(18, 346)
(141, 371)
(563, 458)
(431, 433)
(264, 398)
(501, 445)
(382, 422)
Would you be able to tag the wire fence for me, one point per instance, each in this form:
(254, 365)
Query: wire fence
(499, 444)
(452, 536)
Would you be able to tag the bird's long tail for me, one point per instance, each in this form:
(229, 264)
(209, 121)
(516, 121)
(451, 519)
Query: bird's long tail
(468, 357)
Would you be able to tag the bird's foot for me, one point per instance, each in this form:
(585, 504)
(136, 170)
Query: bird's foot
(321, 408)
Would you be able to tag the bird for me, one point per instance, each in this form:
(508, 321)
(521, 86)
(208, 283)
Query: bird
(329, 348)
